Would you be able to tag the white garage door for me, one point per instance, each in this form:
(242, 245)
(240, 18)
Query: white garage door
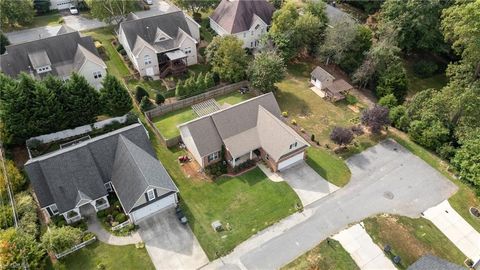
(60, 4)
(289, 162)
(153, 208)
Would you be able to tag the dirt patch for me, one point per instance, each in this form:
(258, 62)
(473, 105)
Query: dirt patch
(354, 108)
(193, 171)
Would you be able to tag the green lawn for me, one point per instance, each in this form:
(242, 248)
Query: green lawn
(417, 84)
(465, 196)
(115, 64)
(328, 166)
(38, 21)
(310, 111)
(412, 238)
(167, 123)
(325, 256)
(112, 257)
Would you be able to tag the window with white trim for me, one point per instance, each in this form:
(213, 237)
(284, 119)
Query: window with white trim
(187, 50)
(150, 194)
(54, 209)
(97, 74)
(44, 69)
(213, 156)
(293, 145)
(147, 59)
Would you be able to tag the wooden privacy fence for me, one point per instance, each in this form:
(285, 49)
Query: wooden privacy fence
(180, 104)
(75, 248)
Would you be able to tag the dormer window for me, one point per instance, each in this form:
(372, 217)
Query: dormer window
(150, 194)
(147, 59)
(44, 69)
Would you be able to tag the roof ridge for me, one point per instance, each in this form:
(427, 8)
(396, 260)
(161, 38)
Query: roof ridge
(151, 17)
(54, 36)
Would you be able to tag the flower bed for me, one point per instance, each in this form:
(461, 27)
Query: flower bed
(113, 216)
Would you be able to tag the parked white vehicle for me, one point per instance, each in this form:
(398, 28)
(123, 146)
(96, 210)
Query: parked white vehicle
(148, 2)
(73, 10)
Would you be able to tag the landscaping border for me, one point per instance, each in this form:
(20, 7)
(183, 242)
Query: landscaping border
(180, 104)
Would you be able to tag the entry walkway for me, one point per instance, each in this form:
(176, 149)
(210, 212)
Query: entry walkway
(464, 236)
(104, 236)
(366, 254)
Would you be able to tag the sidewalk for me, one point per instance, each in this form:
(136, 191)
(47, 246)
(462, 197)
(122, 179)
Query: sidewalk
(95, 227)
(366, 254)
(464, 236)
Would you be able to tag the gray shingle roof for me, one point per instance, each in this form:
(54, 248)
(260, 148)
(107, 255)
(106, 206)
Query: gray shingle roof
(236, 16)
(134, 171)
(60, 50)
(243, 127)
(321, 74)
(60, 177)
(429, 262)
(65, 29)
(146, 28)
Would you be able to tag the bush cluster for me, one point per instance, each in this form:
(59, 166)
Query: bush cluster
(243, 166)
(216, 170)
(194, 85)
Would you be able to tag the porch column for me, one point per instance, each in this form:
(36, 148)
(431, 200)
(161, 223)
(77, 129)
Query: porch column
(251, 154)
(233, 161)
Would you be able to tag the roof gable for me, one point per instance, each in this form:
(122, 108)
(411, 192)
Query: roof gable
(236, 16)
(134, 171)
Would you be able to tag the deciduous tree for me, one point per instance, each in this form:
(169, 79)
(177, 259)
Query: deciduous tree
(467, 160)
(375, 118)
(341, 136)
(228, 58)
(3, 42)
(59, 239)
(18, 12)
(111, 10)
(266, 69)
(17, 248)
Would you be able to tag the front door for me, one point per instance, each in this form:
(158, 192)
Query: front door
(149, 71)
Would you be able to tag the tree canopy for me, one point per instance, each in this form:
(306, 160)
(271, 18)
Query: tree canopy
(59, 239)
(111, 11)
(228, 58)
(266, 69)
(18, 12)
(114, 97)
(3, 42)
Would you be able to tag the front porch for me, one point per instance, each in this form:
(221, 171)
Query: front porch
(92, 206)
(174, 63)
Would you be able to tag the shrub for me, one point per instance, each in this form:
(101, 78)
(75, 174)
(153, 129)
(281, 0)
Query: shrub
(243, 166)
(302, 130)
(119, 47)
(294, 122)
(33, 144)
(159, 99)
(120, 218)
(357, 130)
(87, 236)
(217, 169)
(140, 245)
(341, 136)
(285, 114)
(351, 99)
(424, 68)
(388, 101)
(101, 266)
(140, 92)
(122, 52)
(101, 214)
(312, 137)
(197, 17)
(145, 104)
(61, 21)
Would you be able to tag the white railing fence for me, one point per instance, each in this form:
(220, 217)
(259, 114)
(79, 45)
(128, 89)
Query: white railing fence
(75, 248)
(121, 225)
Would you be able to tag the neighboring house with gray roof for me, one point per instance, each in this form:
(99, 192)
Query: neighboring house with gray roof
(252, 129)
(70, 180)
(247, 20)
(429, 262)
(59, 55)
(160, 45)
(329, 87)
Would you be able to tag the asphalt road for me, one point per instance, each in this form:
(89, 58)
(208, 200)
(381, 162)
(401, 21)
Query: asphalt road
(385, 179)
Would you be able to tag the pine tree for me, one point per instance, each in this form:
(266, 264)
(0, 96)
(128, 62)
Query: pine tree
(82, 101)
(199, 83)
(114, 97)
(208, 80)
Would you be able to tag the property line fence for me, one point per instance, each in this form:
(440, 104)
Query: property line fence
(121, 225)
(60, 135)
(180, 104)
(75, 248)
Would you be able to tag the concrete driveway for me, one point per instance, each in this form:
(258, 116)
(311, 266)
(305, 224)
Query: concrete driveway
(462, 234)
(170, 244)
(386, 178)
(366, 254)
(307, 183)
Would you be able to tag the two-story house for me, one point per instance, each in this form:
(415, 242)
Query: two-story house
(160, 45)
(58, 55)
(247, 20)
